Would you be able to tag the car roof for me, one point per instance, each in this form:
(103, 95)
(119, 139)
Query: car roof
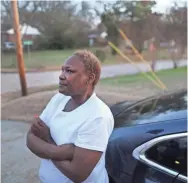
(124, 105)
(154, 109)
(139, 134)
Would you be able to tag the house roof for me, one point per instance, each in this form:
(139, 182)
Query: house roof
(25, 29)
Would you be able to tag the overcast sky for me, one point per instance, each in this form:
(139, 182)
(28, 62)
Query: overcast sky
(161, 6)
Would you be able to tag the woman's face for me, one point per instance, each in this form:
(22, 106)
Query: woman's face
(73, 79)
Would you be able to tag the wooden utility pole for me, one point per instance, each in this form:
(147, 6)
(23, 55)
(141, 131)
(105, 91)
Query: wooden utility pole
(19, 49)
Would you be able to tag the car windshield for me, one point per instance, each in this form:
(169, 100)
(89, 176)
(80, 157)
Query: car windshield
(167, 107)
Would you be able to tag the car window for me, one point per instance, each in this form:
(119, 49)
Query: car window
(171, 154)
(168, 107)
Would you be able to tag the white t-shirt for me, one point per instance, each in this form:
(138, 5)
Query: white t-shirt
(88, 126)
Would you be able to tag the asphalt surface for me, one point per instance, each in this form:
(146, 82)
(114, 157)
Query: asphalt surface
(18, 164)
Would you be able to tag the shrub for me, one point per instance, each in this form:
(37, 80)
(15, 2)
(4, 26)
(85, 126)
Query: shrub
(100, 55)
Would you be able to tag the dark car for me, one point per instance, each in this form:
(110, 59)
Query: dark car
(149, 142)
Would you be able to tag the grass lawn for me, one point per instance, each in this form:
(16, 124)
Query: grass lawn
(164, 75)
(55, 58)
(44, 59)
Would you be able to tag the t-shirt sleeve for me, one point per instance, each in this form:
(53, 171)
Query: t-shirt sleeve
(94, 135)
(46, 113)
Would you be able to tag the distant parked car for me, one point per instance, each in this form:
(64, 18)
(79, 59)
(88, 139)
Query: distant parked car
(9, 45)
(164, 44)
(149, 142)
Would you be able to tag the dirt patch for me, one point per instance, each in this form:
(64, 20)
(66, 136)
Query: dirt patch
(26, 108)
(9, 96)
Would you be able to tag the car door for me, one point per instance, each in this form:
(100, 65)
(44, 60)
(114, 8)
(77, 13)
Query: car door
(180, 179)
(162, 160)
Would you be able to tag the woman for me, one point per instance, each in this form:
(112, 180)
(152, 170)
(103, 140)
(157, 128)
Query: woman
(72, 132)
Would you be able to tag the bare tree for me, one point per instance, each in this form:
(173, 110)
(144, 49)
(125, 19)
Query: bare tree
(178, 24)
(25, 8)
(175, 29)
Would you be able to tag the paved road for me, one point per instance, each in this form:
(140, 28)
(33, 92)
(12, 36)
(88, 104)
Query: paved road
(18, 164)
(10, 82)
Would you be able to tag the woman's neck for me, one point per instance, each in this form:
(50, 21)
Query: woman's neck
(80, 99)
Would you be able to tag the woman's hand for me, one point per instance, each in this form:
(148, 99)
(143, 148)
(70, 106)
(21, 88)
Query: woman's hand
(41, 130)
(40, 143)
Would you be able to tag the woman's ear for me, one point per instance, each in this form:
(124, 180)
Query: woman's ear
(92, 78)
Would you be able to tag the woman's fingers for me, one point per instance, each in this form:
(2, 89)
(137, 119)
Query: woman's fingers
(42, 124)
(35, 130)
(37, 125)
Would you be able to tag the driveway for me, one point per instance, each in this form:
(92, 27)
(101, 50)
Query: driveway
(10, 82)
(18, 164)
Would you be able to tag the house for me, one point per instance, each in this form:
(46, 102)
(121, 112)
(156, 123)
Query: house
(28, 33)
(96, 37)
